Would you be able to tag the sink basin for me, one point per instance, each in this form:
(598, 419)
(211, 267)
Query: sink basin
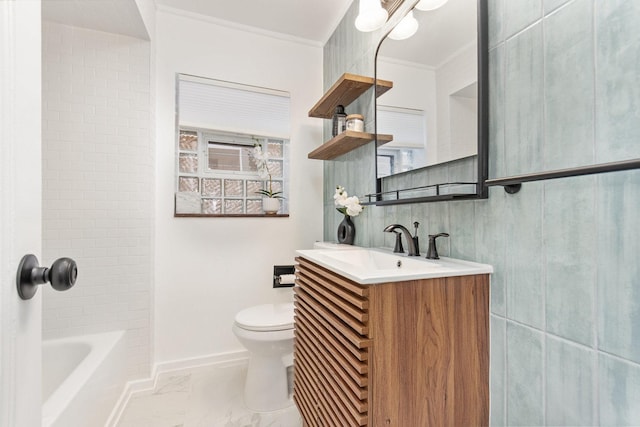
(376, 260)
(367, 266)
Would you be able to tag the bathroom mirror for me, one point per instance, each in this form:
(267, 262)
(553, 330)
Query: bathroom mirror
(437, 109)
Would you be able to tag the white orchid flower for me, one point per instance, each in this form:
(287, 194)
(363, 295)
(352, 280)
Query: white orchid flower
(347, 205)
(261, 159)
(340, 196)
(353, 206)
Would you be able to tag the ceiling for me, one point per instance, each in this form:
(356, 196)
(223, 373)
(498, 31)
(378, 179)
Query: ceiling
(312, 20)
(112, 16)
(441, 34)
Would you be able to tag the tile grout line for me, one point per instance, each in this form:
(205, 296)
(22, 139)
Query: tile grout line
(595, 406)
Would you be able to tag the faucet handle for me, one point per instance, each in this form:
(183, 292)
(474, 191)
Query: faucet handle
(432, 252)
(398, 249)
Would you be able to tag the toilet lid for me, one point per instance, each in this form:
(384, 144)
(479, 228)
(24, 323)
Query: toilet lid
(267, 317)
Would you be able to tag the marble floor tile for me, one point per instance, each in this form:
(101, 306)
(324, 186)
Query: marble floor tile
(208, 396)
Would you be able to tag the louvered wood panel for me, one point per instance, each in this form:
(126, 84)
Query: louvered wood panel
(351, 399)
(355, 381)
(331, 345)
(356, 369)
(334, 395)
(347, 312)
(335, 279)
(303, 396)
(343, 293)
(336, 347)
(334, 324)
(342, 344)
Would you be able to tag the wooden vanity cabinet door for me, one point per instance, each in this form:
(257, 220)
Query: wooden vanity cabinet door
(430, 358)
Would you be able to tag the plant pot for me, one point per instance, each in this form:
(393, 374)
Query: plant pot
(346, 231)
(270, 205)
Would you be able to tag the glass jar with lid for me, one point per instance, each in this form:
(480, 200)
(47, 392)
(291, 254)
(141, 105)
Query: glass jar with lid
(355, 122)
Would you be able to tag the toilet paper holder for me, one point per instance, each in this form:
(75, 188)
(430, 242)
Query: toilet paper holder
(283, 270)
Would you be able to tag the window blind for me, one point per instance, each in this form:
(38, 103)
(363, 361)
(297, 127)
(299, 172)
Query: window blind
(407, 126)
(215, 104)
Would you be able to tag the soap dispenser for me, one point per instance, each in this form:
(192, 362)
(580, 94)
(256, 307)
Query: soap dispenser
(339, 121)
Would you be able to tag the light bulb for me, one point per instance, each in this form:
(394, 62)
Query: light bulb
(405, 28)
(371, 16)
(430, 4)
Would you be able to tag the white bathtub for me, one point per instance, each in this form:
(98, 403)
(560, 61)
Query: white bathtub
(82, 377)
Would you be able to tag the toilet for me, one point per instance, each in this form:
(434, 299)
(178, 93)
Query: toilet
(267, 332)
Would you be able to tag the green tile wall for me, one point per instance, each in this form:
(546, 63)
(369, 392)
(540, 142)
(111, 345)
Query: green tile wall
(565, 295)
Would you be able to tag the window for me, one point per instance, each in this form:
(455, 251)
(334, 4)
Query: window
(218, 126)
(228, 157)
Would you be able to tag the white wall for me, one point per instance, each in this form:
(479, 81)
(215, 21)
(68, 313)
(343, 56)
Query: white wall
(414, 86)
(452, 76)
(207, 269)
(98, 185)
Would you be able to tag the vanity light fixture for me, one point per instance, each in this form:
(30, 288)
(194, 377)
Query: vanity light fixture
(371, 16)
(405, 28)
(426, 5)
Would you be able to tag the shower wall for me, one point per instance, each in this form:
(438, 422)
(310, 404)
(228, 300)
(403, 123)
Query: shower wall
(98, 185)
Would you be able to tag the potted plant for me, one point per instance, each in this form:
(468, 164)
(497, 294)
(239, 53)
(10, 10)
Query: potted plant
(349, 207)
(271, 199)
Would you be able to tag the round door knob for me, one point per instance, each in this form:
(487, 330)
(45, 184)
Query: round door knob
(62, 275)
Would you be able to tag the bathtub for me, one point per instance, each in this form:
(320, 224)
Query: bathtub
(82, 377)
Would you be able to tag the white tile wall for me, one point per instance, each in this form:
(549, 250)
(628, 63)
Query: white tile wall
(98, 187)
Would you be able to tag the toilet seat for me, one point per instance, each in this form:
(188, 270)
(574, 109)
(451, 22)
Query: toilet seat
(266, 317)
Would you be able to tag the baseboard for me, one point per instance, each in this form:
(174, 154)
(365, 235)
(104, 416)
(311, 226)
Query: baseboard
(148, 384)
(195, 362)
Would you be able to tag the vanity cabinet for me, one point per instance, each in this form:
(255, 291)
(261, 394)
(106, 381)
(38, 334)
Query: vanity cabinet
(411, 353)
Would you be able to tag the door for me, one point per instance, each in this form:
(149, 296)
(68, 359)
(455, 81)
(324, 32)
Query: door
(20, 210)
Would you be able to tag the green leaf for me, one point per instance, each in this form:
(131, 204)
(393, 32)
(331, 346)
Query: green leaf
(271, 194)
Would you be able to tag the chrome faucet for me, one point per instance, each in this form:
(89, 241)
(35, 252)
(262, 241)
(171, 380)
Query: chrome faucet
(407, 236)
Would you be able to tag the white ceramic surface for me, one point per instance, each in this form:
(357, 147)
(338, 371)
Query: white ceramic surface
(82, 377)
(266, 317)
(368, 266)
(202, 396)
(271, 353)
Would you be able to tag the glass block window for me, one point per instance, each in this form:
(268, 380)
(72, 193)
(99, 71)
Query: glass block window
(188, 163)
(253, 186)
(188, 184)
(254, 206)
(234, 206)
(222, 173)
(233, 187)
(212, 206)
(211, 187)
(275, 148)
(219, 124)
(188, 141)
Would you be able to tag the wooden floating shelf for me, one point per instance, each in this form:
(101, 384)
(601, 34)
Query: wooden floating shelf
(345, 142)
(344, 91)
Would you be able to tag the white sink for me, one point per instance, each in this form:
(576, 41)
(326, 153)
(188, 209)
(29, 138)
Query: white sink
(367, 266)
(377, 260)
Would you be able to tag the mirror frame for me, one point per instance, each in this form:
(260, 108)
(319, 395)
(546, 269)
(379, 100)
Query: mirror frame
(482, 175)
